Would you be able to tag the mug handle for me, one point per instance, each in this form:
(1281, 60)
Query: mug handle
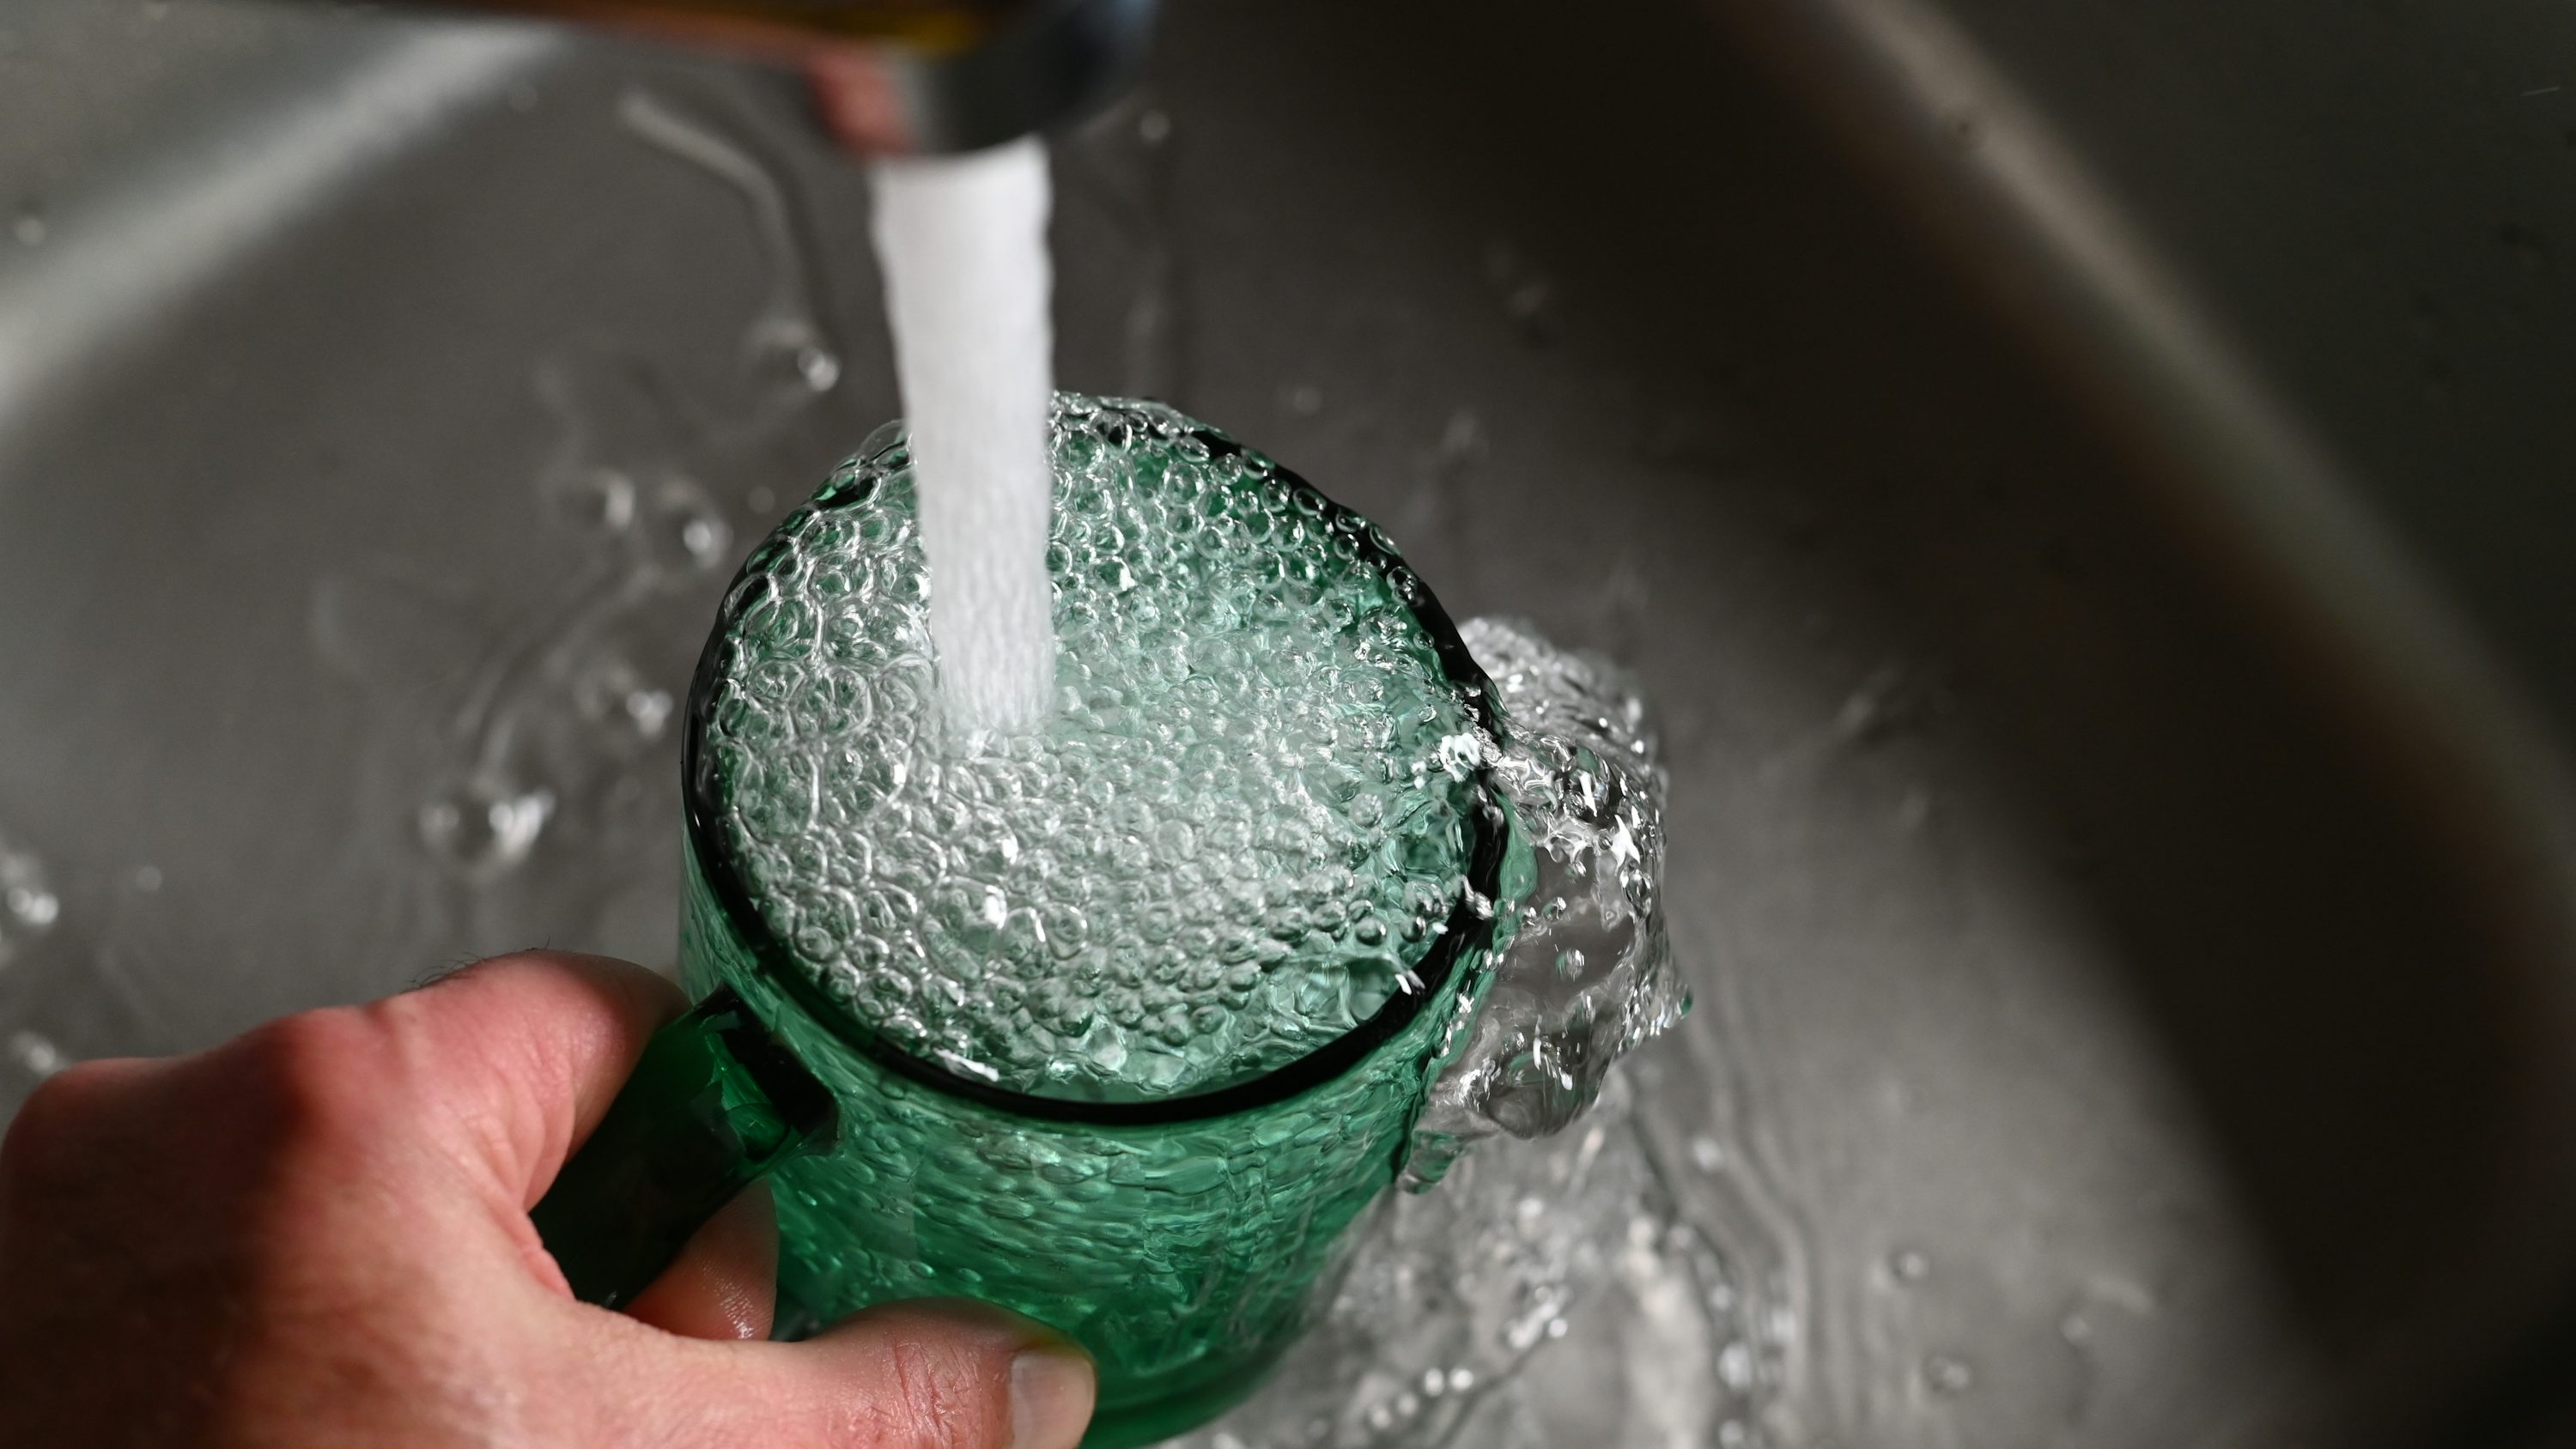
(713, 1104)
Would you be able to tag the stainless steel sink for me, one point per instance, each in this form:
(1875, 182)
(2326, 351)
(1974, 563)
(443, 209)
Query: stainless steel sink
(2128, 912)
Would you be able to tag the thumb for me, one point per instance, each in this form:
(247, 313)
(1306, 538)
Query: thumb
(932, 1374)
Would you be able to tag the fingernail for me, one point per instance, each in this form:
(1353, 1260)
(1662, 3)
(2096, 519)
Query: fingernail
(1051, 1392)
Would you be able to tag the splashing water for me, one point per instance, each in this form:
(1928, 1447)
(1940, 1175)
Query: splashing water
(28, 904)
(1587, 972)
(963, 244)
(1552, 1292)
(786, 346)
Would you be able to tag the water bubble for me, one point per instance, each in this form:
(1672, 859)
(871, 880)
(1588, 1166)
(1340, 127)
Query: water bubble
(29, 227)
(648, 710)
(819, 367)
(36, 1054)
(483, 826)
(147, 878)
(1909, 1265)
(33, 907)
(1708, 1155)
(28, 905)
(683, 530)
(610, 693)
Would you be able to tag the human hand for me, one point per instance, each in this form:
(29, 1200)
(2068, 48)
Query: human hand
(317, 1235)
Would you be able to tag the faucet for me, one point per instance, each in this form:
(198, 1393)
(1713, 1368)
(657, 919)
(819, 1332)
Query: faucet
(911, 77)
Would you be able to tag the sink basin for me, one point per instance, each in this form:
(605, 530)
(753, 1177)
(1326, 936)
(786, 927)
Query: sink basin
(2129, 1010)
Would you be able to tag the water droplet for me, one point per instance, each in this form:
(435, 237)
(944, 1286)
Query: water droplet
(649, 710)
(1708, 1155)
(2075, 1328)
(1909, 1265)
(484, 827)
(34, 907)
(1305, 400)
(1948, 1376)
(1735, 1366)
(1153, 127)
(820, 369)
(29, 228)
(147, 878)
(37, 1054)
(683, 529)
(28, 906)
(612, 694)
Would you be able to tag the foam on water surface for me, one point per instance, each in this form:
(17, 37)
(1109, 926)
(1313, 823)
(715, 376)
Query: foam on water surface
(1244, 823)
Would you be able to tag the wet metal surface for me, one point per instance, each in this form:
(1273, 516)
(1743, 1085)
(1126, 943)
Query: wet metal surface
(2112, 1030)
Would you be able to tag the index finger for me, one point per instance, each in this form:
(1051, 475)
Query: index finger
(526, 1051)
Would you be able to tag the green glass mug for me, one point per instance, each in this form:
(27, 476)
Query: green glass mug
(1179, 1239)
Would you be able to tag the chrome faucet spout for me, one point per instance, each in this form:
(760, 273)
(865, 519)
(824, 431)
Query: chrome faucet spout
(911, 77)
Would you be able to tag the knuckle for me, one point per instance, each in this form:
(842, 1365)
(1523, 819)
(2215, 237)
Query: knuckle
(58, 1120)
(318, 1077)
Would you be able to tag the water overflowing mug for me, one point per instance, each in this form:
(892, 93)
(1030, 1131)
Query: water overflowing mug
(1160, 1168)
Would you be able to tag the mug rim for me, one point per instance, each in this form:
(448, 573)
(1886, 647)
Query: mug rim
(719, 867)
